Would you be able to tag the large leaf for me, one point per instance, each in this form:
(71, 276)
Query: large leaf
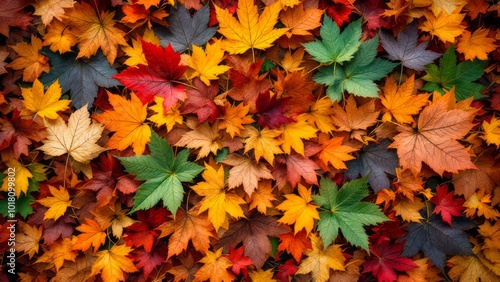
(163, 173)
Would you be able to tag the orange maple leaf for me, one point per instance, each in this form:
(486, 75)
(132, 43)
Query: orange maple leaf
(30, 61)
(335, 153)
(245, 172)
(215, 268)
(113, 263)
(92, 235)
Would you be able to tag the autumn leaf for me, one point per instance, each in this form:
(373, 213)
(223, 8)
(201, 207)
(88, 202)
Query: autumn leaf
(57, 204)
(446, 206)
(206, 63)
(28, 241)
(298, 210)
(352, 117)
(245, 172)
(59, 252)
(335, 153)
(262, 197)
(298, 168)
(300, 20)
(262, 276)
(77, 138)
(113, 263)
(59, 37)
(92, 235)
(21, 181)
(479, 204)
(204, 137)
(434, 140)
(295, 244)
(201, 100)
(128, 121)
(492, 131)
(234, 117)
(240, 261)
(30, 60)
(215, 268)
(250, 30)
(319, 115)
(168, 118)
(319, 260)
(95, 29)
(12, 14)
(476, 45)
(446, 27)
(409, 210)
(470, 267)
(293, 133)
(216, 200)
(264, 143)
(50, 9)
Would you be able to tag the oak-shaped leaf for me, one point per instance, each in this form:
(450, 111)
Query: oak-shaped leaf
(77, 138)
(163, 173)
(186, 30)
(406, 49)
(448, 74)
(436, 239)
(345, 210)
(375, 161)
(156, 78)
(253, 233)
(81, 77)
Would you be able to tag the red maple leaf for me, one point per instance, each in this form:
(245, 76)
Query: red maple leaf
(157, 78)
(271, 110)
(446, 206)
(338, 10)
(385, 259)
(371, 11)
(149, 260)
(286, 270)
(240, 262)
(16, 134)
(144, 232)
(294, 244)
(200, 101)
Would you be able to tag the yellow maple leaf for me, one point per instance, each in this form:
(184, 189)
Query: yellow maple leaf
(445, 27)
(135, 52)
(298, 210)
(399, 102)
(113, 263)
(300, 21)
(262, 197)
(95, 29)
(214, 268)
(320, 115)
(216, 200)
(319, 261)
(245, 172)
(160, 117)
(59, 37)
(28, 240)
(45, 105)
(335, 153)
(49, 9)
(59, 251)
(479, 204)
(250, 31)
(30, 61)
(148, 3)
(206, 63)
(294, 132)
(438, 6)
(21, 181)
(409, 210)
(234, 118)
(203, 137)
(476, 45)
(425, 272)
(471, 268)
(291, 62)
(264, 143)
(128, 121)
(262, 275)
(57, 204)
(77, 138)
(492, 131)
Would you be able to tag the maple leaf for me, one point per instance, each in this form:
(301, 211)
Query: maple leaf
(476, 45)
(470, 268)
(186, 30)
(148, 261)
(405, 48)
(12, 14)
(21, 181)
(155, 78)
(57, 204)
(376, 162)
(434, 140)
(135, 53)
(335, 153)
(202, 136)
(251, 30)
(77, 138)
(300, 20)
(424, 272)
(449, 75)
(319, 115)
(296, 85)
(50, 9)
(264, 143)
(78, 270)
(240, 262)
(206, 63)
(113, 263)
(446, 206)
(43, 104)
(95, 30)
(201, 101)
(262, 197)
(262, 276)
(59, 251)
(436, 239)
(445, 6)
(81, 77)
(293, 133)
(30, 60)
(187, 226)
(168, 118)
(215, 268)
(492, 131)
(163, 173)
(399, 101)
(245, 172)
(295, 243)
(186, 270)
(59, 37)
(298, 210)
(299, 167)
(385, 259)
(216, 200)
(247, 81)
(408, 184)
(234, 117)
(479, 204)
(271, 110)
(92, 235)
(28, 241)
(476, 7)
(127, 120)
(409, 209)
(319, 260)
(144, 232)
(445, 26)
(354, 118)
(253, 233)
(344, 210)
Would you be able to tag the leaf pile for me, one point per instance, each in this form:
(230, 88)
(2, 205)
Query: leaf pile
(250, 140)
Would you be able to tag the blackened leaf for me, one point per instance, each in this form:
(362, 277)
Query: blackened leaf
(81, 77)
(406, 50)
(436, 239)
(185, 30)
(376, 161)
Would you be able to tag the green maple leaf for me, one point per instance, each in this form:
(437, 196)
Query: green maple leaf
(357, 75)
(164, 174)
(442, 78)
(344, 210)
